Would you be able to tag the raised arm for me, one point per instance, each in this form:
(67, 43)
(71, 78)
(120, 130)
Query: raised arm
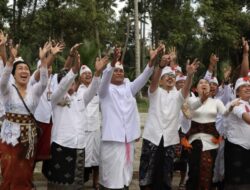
(72, 54)
(108, 72)
(39, 87)
(245, 62)
(141, 80)
(165, 60)
(93, 87)
(213, 60)
(191, 69)
(4, 82)
(173, 57)
(3, 40)
(225, 92)
(65, 83)
(42, 53)
(52, 52)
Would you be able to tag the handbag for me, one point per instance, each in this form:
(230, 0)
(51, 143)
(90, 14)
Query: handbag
(39, 130)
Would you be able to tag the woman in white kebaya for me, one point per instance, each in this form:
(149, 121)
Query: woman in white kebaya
(19, 131)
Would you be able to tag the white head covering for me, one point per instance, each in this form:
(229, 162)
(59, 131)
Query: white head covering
(248, 74)
(167, 71)
(84, 68)
(178, 68)
(38, 64)
(182, 77)
(240, 82)
(118, 65)
(18, 59)
(214, 80)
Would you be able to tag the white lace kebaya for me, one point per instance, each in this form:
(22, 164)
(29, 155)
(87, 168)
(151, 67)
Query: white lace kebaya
(13, 104)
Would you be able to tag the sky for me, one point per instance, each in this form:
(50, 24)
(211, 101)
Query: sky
(120, 6)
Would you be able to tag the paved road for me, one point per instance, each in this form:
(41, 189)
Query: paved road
(41, 182)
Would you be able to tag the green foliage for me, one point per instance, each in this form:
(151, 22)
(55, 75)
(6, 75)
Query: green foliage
(93, 22)
(142, 104)
(88, 52)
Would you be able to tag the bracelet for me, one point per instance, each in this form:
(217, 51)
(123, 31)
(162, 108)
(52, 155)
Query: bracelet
(161, 67)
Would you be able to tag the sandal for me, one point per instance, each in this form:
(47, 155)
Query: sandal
(182, 186)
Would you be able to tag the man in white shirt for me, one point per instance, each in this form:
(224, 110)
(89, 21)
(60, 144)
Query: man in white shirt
(65, 170)
(120, 122)
(161, 128)
(92, 128)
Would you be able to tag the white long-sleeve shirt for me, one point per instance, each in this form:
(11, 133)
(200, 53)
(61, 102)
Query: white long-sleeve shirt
(2, 112)
(44, 110)
(92, 111)
(120, 117)
(69, 120)
(13, 104)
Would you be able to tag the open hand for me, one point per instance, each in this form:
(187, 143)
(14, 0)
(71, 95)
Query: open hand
(57, 48)
(192, 68)
(43, 51)
(74, 49)
(3, 38)
(100, 64)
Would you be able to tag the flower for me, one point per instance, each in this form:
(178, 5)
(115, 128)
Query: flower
(245, 78)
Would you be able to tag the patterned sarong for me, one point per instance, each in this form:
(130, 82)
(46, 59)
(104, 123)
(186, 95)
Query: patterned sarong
(65, 169)
(201, 164)
(156, 166)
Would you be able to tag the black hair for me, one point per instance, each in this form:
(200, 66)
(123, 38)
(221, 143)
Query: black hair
(62, 74)
(17, 63)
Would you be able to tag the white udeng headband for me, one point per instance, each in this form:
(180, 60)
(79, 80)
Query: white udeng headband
(179, 78)
(118, 65)
(240, 82)
(84, 68)
(214, 80)
(167, 70)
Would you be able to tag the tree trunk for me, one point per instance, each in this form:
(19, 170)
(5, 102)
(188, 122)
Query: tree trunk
(14, 17)
(97, 36)
(127, 38)
(137, 43)
(33, 13)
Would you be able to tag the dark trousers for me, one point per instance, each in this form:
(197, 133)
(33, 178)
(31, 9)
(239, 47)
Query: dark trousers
(237, 166)
(156, 166)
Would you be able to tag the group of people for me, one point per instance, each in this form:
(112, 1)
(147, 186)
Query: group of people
(91, 123)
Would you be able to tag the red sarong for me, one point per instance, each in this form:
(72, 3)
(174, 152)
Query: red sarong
(17, 171)
(43, 145)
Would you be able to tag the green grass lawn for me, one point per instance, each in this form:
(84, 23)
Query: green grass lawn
(143, 105)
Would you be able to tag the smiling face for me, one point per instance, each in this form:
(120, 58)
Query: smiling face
(167, 81)
(22, 74)
(86, 78)
(203, 87)
(118, 76)
(244, 92)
